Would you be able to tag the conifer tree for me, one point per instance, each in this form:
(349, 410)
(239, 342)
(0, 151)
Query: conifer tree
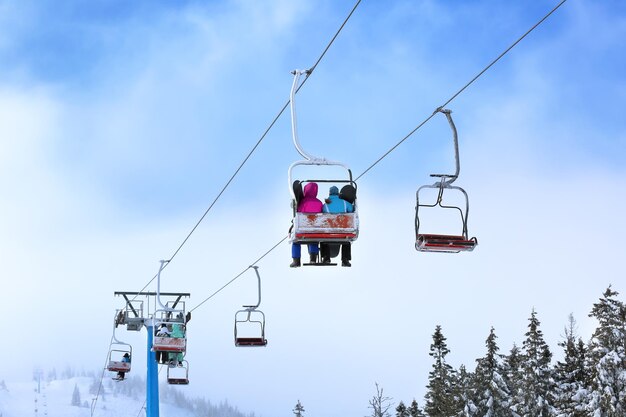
(493, 398)
(76, 396)
(465, 394)
(401, 410)
(536, 384)
(298, 410)
(512, 366)
(415, 410)
(571, 375)
(440, 396)
(608, 357)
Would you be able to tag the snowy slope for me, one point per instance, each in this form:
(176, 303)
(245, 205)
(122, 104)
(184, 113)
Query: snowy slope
(55, 397)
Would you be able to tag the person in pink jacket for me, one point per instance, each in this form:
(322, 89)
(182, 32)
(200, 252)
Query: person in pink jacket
(308, 204)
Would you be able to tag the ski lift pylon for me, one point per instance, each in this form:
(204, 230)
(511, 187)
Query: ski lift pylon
(429, 242)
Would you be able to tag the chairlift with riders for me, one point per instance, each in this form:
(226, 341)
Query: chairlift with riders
(330, 228)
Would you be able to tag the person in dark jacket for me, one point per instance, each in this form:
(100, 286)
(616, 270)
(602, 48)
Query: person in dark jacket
(335, 204)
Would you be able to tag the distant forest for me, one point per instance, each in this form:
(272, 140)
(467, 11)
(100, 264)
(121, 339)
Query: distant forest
(134, 387)
(590, 381)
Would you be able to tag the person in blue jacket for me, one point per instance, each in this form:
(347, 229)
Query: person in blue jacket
(335, 204)
(125, 359)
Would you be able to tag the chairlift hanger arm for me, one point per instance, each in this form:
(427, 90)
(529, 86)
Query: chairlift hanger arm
(294, 123)
(258, 277)
(443, 182)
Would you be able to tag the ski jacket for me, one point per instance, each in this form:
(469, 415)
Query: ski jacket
(177, 330)
(310, 203)
(337, 205)
(163, 332)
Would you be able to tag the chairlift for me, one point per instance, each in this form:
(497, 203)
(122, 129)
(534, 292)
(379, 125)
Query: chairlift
(116, 355)
(178, 374)
(173, 318)
(250, 322)
(430, 242)
(333, 228)
(120, 353)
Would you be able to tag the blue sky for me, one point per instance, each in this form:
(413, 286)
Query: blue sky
(121, 122)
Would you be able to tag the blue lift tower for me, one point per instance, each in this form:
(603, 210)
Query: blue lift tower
(165, 325)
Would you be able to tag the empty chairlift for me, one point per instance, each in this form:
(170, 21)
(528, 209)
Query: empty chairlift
(437, 242)
(250, 322)
(178, 374)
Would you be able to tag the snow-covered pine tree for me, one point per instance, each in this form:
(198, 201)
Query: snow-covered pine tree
(401, 410)
(440, 394)
(492, 393)
(464, 393)
(415, 410)
(608, 358)
(571, 376)
(512, 369)
(298, 410)
(537, 384)
(76, 396)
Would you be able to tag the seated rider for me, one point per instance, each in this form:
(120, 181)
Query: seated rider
(336, 204)
(125, 359)
(307, 204)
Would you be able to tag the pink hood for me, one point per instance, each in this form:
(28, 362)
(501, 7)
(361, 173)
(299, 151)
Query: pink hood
(310, 203)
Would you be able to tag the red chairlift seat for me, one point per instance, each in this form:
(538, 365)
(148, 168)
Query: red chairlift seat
(169, 344)
(325, 227)
(178, 381)
(250, 341)
(118, 366)
(444, 243)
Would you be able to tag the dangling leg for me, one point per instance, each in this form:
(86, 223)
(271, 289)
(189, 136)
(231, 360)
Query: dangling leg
(313, 252)
(295, 255)
(346, 254)
(325, 253)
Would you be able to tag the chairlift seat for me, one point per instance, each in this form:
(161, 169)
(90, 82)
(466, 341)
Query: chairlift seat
(118, 366)
(325, 227)
(178, 381)
(444, 243)
(169, 344)
(250, 341)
